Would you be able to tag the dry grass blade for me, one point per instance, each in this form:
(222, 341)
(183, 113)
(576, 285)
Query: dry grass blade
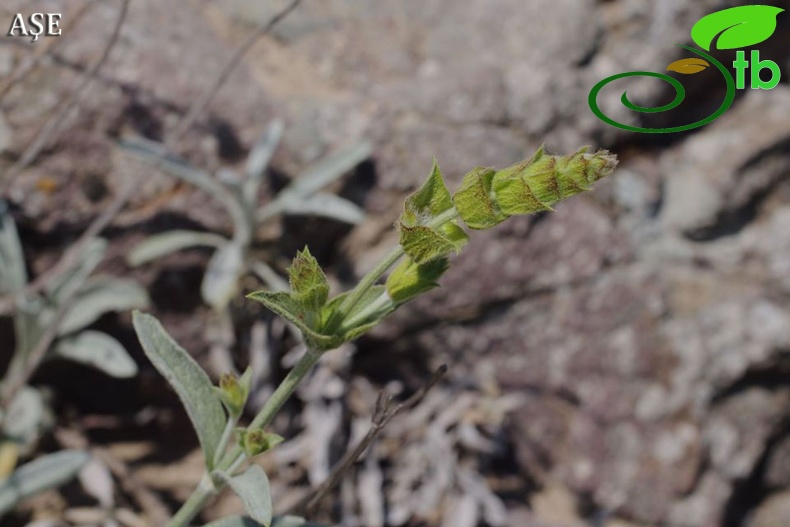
(382, 415)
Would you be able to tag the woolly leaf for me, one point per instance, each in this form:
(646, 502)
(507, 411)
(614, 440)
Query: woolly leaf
(221, 281)
(166, 243)
(252, 486)
(188, 380)
(44, 473)
(102, 295)
(98, 350)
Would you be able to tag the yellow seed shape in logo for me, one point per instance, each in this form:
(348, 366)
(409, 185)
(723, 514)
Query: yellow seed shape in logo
(688, 66)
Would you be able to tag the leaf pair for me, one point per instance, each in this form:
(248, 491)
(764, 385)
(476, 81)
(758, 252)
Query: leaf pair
(306, 306)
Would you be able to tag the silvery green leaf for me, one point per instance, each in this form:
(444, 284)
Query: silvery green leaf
(102, 295)
(44, 473)
(28, 323)
(13, 275)
(258, 160)
(64, 284)
(189, 381)
(330, 169)
(26, 416)
(98, 350)
(161, 245)
(221, 281)
(156, 154)
(326, 205)
(270, 277)
(314, 178)
(252, 486)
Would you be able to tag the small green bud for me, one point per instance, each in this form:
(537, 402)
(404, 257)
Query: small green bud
(410, 279)
(540, 182)
(309, 287)
(256, 442)
(234, 391)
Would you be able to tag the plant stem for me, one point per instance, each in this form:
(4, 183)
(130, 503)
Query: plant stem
(370, 279)
(285, 390)
(194, 504)
(224, 439)
(234, 458)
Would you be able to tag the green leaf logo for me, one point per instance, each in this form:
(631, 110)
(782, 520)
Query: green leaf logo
(737, 27)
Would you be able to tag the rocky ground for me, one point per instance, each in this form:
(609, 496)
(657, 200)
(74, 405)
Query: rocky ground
(622, 361)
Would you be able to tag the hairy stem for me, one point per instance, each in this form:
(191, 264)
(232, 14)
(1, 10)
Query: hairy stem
(194, 504)
(233, 459)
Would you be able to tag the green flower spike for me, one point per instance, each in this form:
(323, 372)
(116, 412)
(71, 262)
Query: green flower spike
(543, 180)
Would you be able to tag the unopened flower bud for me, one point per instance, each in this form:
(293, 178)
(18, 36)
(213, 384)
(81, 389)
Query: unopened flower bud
(543, 180)
(256, 442)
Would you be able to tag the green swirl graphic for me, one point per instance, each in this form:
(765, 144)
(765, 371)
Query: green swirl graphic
(680, 95)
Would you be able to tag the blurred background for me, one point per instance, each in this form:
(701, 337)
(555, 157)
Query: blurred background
(621, 362)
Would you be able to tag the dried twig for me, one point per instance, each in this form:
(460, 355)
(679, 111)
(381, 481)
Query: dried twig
(211, 90)
(72, 101)
(382, 415)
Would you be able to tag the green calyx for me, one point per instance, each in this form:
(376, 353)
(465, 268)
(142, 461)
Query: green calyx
(420, 238)
(234, 391)
(255, 442)
(410, 279)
